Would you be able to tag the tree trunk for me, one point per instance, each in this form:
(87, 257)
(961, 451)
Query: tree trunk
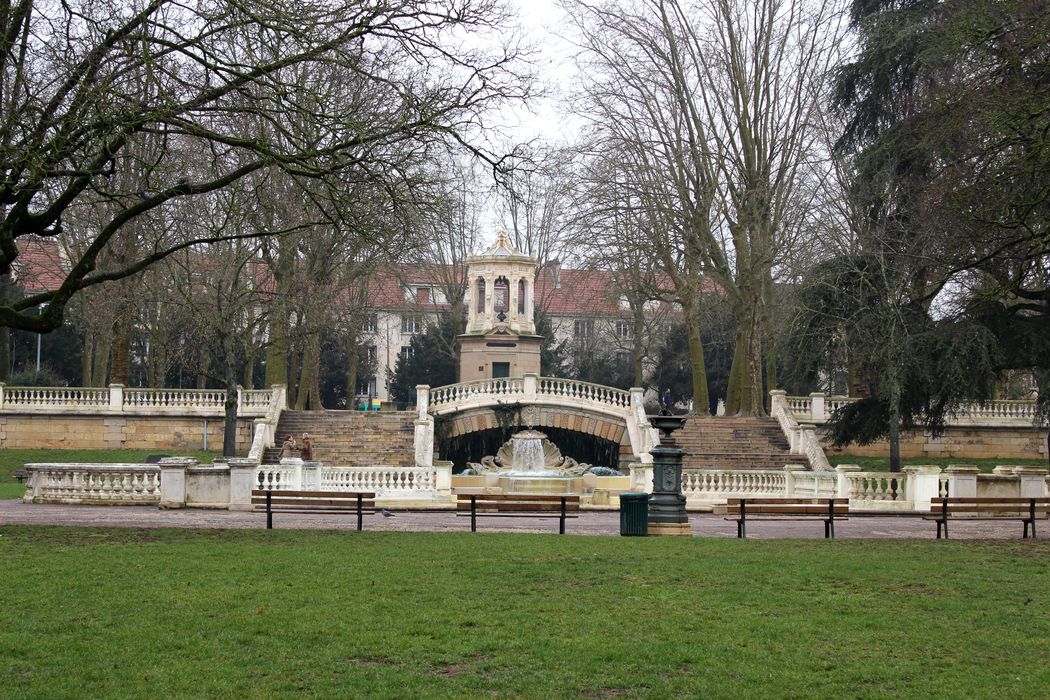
(120, 365)
(701, 401)
(229, 422)
(100, 362)
(6, 286)
(309, 398)
(353, 362)
(895, 425)
(769, 346)
(277, 349)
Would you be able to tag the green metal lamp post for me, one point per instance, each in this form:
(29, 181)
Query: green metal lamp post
(667, 514)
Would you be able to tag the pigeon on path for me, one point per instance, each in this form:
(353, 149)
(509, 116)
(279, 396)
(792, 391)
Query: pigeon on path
(386, 513)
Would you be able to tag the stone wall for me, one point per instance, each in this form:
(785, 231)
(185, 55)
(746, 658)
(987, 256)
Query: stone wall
(128, 432)
(963, 442)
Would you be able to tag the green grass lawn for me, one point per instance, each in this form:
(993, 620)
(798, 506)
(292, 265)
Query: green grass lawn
(12, 459)
(135, 613)
(882, 464)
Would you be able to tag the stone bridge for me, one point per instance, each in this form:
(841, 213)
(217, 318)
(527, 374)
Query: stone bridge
(604, 412)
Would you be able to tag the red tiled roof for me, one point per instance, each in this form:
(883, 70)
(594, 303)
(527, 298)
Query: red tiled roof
(40, 266)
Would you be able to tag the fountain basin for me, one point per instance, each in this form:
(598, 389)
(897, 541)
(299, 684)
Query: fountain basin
(554, 485)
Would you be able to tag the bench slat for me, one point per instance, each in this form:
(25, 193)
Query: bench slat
(319, 502)
(313, 494)
(520, 507)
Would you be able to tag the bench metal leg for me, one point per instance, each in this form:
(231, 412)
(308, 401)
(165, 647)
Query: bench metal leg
(269, 513)
(473, 514)
(561, 520)
(360, 518)
(740, 531)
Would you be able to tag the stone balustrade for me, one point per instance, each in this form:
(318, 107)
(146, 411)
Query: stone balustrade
(527, 389)
(98, 484)
(389, 483)
(802, 438)
(120, 400)
(818, 408)
(710, 484)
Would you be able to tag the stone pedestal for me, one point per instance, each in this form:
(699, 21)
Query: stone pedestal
(962, 480)
(667, 514)
(242, 481)
(173, 481)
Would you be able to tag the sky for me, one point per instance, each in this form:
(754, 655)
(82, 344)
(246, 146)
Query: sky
(547, 118)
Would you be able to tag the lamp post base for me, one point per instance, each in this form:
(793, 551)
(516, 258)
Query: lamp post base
(670, 530)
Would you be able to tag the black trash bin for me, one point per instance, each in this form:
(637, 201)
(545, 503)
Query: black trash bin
(634, 514)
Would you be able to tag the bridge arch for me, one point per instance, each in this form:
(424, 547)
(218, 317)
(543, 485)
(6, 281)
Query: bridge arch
(604, 412)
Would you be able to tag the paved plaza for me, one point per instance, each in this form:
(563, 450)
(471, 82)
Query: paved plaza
(607, 523)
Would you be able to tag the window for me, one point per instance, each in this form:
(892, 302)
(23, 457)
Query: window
(583, 328)
(411, 324)
(370, 324)
(371, 353)
(625, 359)
(423, 295)
(407, 352)
(624, 329)
(481, 295)
(521, 297)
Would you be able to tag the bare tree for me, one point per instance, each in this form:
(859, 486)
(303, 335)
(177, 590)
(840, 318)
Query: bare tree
(73, 104)
(708, 104)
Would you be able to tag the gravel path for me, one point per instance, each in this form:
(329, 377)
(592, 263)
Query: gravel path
(14, 512)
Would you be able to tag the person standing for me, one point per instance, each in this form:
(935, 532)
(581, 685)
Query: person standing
(288, 448)
(666, 401)
(306, 450)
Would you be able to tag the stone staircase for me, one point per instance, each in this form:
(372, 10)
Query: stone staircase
(735, 443)
(350, 438)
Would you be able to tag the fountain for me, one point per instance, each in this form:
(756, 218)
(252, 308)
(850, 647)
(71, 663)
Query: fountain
(530, 463)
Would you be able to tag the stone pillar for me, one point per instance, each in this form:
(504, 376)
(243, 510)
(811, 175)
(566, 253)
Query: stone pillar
(531, 385)
(310, 476)
(2, 386)
(922, 485)
(842, 485)
(642, 477)
(667, 514)
(443, 480)
(1033, 481)
(817, 411)
(423, 401)
(962, 480)
(789, 478)
(116, 397)
(242, 481)
(424, 442)
(173, 481)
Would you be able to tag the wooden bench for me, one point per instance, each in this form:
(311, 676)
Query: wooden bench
(829, 510)
(1026, 510)
(517, 506)
(21, 475)
(320, 502)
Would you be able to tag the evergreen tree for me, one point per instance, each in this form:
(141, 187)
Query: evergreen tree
(432, 359)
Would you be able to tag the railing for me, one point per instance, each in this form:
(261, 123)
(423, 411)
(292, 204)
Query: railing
(815, 484)
(801, 439)
(876, 487)
(584, 391)
(56, 397)
(266, 427)
(465, 391)
(386, 482)
(713, 484)
(100, 484)
(117, 399)
(529, 388)
(818, 408)
(277, 477)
